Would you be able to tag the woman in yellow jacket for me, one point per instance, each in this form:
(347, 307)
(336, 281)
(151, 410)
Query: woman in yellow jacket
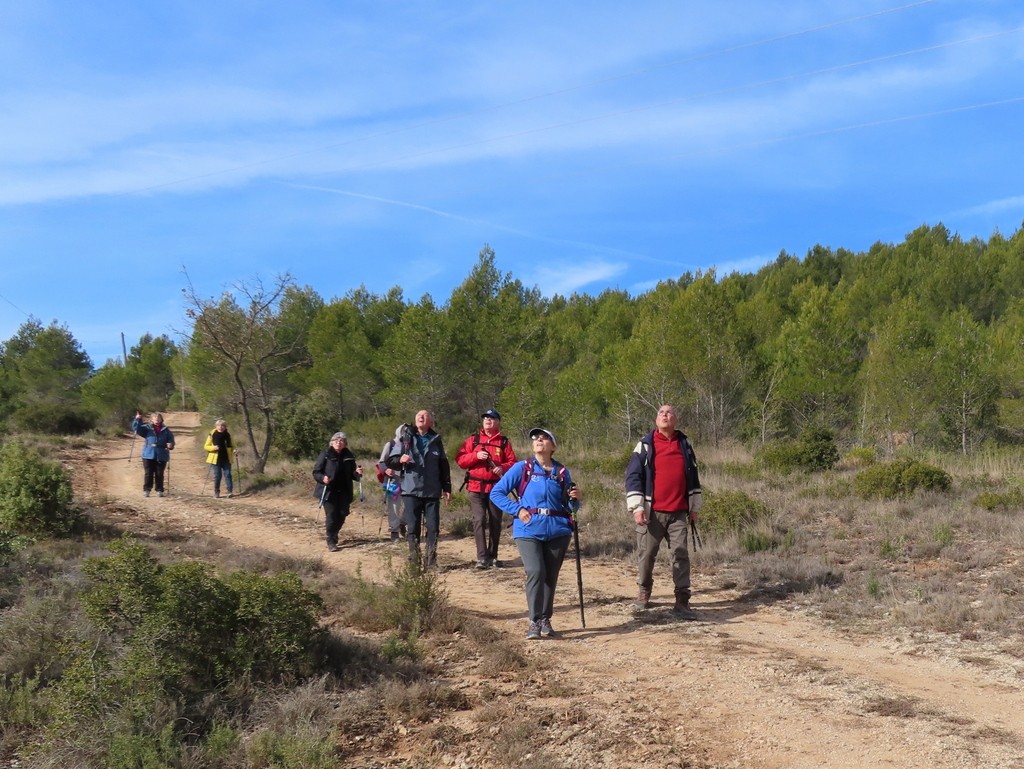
(220, 453)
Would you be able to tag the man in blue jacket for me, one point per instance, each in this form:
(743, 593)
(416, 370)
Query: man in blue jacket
(663, 494)
(426, 478)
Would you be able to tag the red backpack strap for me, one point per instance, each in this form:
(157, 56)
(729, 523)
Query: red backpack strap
(527, 473)
(558, 474)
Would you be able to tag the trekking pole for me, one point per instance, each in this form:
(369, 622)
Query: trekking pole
(209, 470)
(696, 536)
(574, 507)
(323, 496)
(167, 481)
(132, 449)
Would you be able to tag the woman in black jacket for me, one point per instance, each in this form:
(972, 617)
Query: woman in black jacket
(334, 471)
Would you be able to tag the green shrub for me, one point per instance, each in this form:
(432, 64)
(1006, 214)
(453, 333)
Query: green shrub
(779, 456)
(726, 511)
(305, 747)
(277, 625)
(756, 541)
(874, 586)
(414, 601)
(900, 479)
(303, 427)
(55, 419)
(860, 457)
(991, 500)
(893, 548)
(944, 535)
(818, 449)
(35, 493)
(815, 450)
(461, 527)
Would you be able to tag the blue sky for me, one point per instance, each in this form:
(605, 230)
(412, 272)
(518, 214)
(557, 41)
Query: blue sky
(592, 145)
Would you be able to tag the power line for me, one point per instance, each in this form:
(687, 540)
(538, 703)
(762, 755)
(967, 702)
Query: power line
(12, 304)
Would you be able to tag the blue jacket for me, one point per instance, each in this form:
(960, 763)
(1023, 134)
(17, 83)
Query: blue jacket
(640, 474)
(542, 491)
(158, 444)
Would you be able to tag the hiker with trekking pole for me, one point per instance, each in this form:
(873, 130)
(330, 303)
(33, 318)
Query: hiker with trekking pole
(537, 493)
(334, 471)
(159, 442)
(421, 462)
(391, 487)
(485, 456)
(220, 452)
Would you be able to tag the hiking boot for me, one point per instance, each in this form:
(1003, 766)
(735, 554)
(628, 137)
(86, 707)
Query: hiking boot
(159, 493)
(533, 631)
(642, 600)
(332, 546)
(496, 564)
(482, 563)
(230, 495)
(545, 628)
(216, 495)
(145, 493)
(394, 538)
(682, 610)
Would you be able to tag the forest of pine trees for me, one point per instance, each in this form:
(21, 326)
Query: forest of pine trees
(920, 342)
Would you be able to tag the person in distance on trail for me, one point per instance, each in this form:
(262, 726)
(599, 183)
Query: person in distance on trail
(426, 478)
(389, 480)
(485, 456)
(536, 493)
(156, 453)
(663, 494)
(220, 453)
(334, 471)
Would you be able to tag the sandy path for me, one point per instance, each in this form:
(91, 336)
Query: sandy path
(748, 686)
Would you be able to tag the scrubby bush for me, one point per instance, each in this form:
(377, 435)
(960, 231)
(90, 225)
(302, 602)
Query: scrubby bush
(278, 620)
(862, 456)
(818, 449)
(303, 426)
(197, 626)
(991, 500)
(814, 451)
(166, 638)
(35, 493)
(779, 456)
(413, 601)
(57, 419)
(726, 511)
(900, 479)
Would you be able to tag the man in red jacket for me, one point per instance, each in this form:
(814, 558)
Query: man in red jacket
(485, 456)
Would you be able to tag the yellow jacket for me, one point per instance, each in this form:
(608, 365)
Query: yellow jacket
(211, 456)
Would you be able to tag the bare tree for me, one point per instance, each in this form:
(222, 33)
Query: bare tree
(246, 348)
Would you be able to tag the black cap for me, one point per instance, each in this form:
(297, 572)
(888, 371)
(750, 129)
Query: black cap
(492, 414)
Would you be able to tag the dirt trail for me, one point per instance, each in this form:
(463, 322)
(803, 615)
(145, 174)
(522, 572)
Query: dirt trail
(749, 685)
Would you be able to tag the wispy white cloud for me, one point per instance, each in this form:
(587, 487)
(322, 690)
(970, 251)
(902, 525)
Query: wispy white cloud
(1002, 205)
(565, 278)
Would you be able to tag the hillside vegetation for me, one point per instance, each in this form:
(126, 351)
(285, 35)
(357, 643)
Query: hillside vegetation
(920, 342)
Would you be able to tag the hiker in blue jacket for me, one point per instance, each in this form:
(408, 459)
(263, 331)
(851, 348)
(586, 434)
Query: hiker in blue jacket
(156, 453)
(535, 492)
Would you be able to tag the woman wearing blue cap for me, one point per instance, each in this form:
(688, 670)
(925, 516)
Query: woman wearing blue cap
(536, 493)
